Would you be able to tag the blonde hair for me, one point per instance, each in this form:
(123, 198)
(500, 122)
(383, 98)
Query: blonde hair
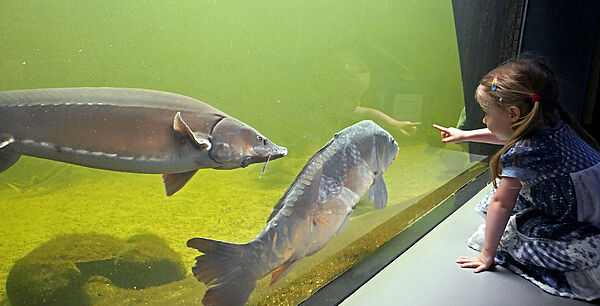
(517, 82)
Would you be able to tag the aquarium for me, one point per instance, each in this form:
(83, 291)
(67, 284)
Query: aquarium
(298, 72)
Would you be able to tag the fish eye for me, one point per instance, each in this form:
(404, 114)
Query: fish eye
(261, 139)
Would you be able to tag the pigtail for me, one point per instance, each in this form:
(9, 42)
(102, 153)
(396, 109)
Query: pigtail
(532, 86)
(523, 129)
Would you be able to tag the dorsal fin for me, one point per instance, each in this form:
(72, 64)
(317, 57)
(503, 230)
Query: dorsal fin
(310, 193)
(183, 129)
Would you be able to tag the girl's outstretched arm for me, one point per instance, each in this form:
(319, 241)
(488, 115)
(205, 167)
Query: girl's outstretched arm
(484, 135)
(499, 209)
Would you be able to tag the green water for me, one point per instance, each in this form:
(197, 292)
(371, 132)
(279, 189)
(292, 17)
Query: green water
(294, 70)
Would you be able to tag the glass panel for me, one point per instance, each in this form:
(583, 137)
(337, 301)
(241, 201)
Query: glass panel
(296, 71)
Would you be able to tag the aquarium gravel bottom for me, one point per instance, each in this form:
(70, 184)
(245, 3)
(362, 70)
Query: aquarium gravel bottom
(42, 200)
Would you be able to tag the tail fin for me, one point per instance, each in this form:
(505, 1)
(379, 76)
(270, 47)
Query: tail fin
(225, 269)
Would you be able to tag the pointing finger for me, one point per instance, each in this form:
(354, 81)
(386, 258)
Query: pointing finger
(441, 128)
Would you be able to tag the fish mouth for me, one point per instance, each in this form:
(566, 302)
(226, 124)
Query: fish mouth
(278, 153)
(271, 154)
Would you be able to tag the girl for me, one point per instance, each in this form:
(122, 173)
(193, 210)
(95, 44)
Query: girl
(543, 218)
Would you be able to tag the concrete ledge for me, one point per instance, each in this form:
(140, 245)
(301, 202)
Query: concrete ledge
(426, 274)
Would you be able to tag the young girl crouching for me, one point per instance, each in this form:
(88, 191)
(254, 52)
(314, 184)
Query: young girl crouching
(543, 217)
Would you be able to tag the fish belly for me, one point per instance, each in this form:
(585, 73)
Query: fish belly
(132, 139)
(166, 164)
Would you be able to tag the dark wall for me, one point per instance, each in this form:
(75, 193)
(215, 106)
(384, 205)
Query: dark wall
(561, 32)
(488, 34)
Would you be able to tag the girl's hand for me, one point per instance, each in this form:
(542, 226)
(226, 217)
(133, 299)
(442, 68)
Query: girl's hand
(451, 134)
(480, 263)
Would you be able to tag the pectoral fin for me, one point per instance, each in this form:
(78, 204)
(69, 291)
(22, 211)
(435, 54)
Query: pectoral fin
(200, 141)
(7, 156)
(176, 181)
(343, 226)
(5, 140)
(282, 271)
(378, 191)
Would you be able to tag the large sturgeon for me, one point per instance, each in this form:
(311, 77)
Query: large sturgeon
(131, 130)
(315, 207)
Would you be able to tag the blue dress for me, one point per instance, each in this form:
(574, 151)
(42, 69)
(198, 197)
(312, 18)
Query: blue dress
(553, 235)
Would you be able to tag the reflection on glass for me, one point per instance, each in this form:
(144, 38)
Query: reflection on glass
(297, 71)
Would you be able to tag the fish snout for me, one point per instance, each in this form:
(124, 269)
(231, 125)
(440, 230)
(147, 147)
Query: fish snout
(279, 152)
(264, 153)
(268, 151)
(235, 145)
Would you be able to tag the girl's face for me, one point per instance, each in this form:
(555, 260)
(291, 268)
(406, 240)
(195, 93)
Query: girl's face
(499, 121)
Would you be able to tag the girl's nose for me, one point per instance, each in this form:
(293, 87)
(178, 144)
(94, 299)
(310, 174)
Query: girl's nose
(484, 121)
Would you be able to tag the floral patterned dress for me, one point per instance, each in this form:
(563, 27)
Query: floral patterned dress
(553, 235)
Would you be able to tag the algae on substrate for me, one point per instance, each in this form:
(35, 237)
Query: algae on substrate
(48, 274)
(146, 261)
(57, 271)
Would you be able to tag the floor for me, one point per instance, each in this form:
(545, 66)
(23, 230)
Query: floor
(426, 274)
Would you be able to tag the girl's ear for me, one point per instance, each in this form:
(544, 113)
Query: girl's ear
(514, 113)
